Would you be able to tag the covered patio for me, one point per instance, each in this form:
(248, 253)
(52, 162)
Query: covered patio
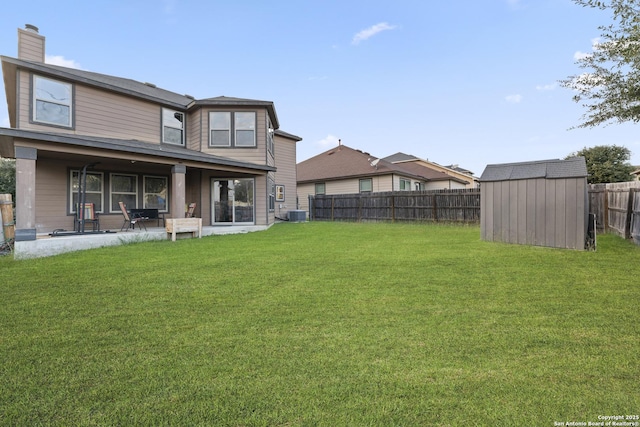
(46, 245)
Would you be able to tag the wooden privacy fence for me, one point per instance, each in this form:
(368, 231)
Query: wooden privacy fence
(437, 205)
(617, 208)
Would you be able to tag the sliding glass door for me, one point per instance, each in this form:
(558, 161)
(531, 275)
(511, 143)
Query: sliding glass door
(233, 201)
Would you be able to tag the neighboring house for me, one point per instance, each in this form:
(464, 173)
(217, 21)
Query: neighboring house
(455, 171)
(142, 145)
(344, 170)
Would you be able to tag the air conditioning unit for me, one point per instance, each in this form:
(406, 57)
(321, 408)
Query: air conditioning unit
(297, 216)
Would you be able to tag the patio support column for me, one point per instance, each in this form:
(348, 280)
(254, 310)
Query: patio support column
(178, 174)
(26, 193)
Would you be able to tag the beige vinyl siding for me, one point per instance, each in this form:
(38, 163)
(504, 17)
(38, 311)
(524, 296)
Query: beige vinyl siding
(262, 216)
(256, 155)
(24, 103)
(444, 185)
(108, 114)
(303, 192)
(285, 162)
(51, 200)
(30, 46)
(99, 113)
(194, 133)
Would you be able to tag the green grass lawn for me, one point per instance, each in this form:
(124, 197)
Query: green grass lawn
(327, 324)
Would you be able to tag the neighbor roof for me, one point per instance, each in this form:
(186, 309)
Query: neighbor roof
(345, 162)
(575, 167)
(400, 157)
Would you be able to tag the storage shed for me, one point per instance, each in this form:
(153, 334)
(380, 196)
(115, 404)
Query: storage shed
(541, 203)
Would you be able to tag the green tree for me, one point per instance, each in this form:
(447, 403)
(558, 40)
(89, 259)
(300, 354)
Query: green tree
(606, 163)
(8, 177)
(609, 88)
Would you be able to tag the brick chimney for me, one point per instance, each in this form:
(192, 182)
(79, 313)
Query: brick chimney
(30, 44)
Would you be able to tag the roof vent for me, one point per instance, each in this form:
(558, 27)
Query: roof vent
(31, 28)
(189, 96)
(149, 84)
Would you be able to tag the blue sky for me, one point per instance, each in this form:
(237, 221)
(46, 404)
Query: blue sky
(463, 82)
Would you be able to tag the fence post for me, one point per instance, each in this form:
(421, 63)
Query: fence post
(627, 222)
(393, 208)
(435, 207)
(332, 206)
(606, 209)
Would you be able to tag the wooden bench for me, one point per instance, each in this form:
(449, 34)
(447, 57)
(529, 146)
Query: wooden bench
(184, 225)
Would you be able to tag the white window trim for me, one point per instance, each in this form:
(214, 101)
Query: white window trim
(212, 129)
(35, 99)
(112, 192)
(181, 129)
(233, 129)
(360, 185)
(144, 193)
(72, 208)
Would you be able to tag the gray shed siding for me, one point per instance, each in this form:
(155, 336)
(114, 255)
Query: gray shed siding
(527, 207)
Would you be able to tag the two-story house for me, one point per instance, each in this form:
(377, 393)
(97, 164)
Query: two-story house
(138, 144)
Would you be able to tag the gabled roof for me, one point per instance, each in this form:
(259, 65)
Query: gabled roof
(401, 157)
(575, 167)
(409, 158)
(429, 174)
(131, 87)
(287, 135)
(104, 81)
(345, 162)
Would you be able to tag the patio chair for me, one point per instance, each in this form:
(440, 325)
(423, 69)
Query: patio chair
(190, 210)
(130, 221)
(89, 215)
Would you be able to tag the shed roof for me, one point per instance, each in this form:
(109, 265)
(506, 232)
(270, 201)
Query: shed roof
(575, 167)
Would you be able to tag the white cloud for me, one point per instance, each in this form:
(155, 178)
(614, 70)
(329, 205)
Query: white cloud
(513, 99)
(371, 31)
(581, 55)
(328, 141)
(60, 60)
(595, 44)
(551, 86)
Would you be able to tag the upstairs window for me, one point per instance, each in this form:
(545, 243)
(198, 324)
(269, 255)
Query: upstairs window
(232, 129)
(52, 102)
(172, 127)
